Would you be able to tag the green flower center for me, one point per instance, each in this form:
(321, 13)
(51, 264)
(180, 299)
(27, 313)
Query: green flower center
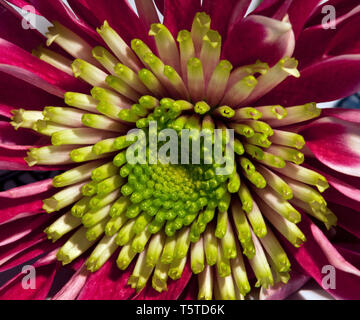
(160, 212)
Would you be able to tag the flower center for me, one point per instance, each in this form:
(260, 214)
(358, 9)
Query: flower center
(165, 205)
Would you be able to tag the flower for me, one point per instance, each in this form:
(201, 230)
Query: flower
(169, 227)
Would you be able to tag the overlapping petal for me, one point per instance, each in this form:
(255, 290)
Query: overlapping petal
(326, 80)
(336, 143)
(258, 37)
(231, 13)
(316, 253)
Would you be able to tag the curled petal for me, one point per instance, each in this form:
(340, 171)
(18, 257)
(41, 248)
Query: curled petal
(257, 37)
(335, 143)
(351, 115)
(319, 82)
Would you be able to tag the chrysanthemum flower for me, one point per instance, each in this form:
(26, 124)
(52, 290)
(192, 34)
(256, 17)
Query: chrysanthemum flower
(157, 230)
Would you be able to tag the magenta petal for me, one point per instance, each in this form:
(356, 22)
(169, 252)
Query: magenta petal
(347, 40)
(111, 280)
(299, 12)
(28, 248)
(56, 10)
(22, 65)
(23, 139)
(281, 291)
(121, 17)
(175, 288)
(350, 251)
(11, 29)
(352, 115)
(179, 14)
(318, 252)
(32, 98)
(231, 12)
(344, 9)
(319, 82)
(160, 4)
(45, 272)
(21, 201)
(348, 219)
(83, 9)
(257, 37)
(335, 143)
(15, 230)
(73, 287)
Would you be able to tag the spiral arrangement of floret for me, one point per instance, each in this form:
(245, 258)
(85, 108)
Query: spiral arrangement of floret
(161, 214)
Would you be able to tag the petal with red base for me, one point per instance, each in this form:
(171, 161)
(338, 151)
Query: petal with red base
(335, 143)
(327, 80)
(257, 37)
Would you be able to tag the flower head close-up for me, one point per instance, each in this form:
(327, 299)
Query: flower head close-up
(187, 153)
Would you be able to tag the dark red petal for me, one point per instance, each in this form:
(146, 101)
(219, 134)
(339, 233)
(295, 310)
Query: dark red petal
(257, 37)
(175, 288)
(281, 291)
(11, 29)
(347, 39)
(327, 80)
(22, 65)
(225, 14)
(299, 12)
(343, 8)
(160, 5)
(111, 280)
(348, 219)
(15, 230)
(28, 248)
(318, 252)
(350, 251)
(22, 139)
(335, 143)
(179, 14)
(83, 9)
(31, 98)
(73, 287)
(56, 10)
(121, 17)
(24, 200)
(45, 269)
(316, 43)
